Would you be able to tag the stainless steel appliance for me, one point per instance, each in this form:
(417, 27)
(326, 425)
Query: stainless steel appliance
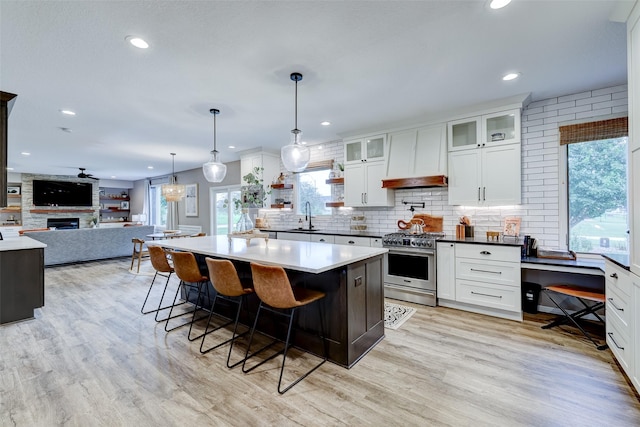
(410, 267)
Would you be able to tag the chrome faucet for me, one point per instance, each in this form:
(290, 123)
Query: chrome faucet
(307, 213)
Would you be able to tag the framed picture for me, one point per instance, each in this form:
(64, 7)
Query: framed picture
(13, 190)
(512, 226)
(124, 206)
(191, 200)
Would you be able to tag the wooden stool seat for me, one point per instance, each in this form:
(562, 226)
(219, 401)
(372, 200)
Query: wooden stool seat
(582, 294)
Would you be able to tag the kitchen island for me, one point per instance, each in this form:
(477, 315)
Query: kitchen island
(350, 276)
(21, 278)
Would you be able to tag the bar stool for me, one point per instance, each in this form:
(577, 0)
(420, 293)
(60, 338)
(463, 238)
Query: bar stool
(276, 295)
(162, 267)
(187, 270)
(229, 287)
(138, 252)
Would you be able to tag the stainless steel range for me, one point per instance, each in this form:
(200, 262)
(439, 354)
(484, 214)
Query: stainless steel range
(410, 267)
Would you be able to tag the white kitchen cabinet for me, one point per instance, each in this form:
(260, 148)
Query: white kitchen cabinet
(365, 149)
(485, 176)
(619, 325)
(486, 279)
(352, 240)
(446, 270)
(363, 185)
(301, 237)
(321, 238)
(487, 130)
(634, 332)
(418, 152)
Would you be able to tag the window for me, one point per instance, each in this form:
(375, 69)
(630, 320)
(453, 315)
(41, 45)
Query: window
(225, 215)
(596, 188)
(312, 188)
(157, 206)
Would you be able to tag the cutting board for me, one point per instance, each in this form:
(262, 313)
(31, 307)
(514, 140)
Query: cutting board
(431, 223)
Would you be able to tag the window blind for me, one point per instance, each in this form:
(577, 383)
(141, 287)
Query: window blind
(594, 131)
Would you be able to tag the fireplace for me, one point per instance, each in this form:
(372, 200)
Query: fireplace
(63, 223)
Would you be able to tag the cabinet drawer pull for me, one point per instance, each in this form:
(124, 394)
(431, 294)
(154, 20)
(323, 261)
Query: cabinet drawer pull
(487, 295)
(484, 193)
(478, 193)
(485, 253)
(486, 271)
(351, 242)
(614, 305)
(614, 341)
(614, 275)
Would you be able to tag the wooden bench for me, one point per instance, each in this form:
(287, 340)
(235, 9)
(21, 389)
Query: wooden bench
(582, 294)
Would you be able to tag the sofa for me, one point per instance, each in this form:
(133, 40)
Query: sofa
(88, 244)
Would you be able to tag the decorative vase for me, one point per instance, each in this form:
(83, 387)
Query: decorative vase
(244, 224)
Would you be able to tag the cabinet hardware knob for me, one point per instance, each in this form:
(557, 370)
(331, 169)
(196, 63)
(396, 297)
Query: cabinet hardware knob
(485, 253)
(614, 275)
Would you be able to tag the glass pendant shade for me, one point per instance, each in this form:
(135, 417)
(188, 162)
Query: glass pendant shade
(173, 192)
(214, 170)
(295, 156)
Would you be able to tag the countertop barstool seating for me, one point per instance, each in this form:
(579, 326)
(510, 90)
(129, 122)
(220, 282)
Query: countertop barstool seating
(187, 270)
(162, 267)
(229, 287)
(582, 294)
(138, 252)
(276, 295)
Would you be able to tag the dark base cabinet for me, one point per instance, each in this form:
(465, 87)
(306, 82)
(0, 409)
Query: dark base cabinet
(21, 283)
(353, 310)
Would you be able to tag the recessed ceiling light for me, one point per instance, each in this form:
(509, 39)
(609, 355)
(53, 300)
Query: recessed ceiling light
(320, 147)
(498, 4)
(510, 76)
(25, 153)
(68, 112)
(232, 146)
(325, 123)
(303, 142)
(137, 42)
(113, 176)
(9, 169)
(149, 167)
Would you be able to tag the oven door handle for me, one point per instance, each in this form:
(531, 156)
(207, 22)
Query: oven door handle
(415, 252)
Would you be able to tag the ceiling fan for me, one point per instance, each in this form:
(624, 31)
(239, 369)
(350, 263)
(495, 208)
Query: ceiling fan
(85, 175)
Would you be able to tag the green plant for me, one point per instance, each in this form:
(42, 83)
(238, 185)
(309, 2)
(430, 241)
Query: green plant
(93, 220)
(253, 193)
(341, 167)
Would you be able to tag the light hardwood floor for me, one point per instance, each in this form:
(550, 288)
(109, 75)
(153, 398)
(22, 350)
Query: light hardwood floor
(90, 358)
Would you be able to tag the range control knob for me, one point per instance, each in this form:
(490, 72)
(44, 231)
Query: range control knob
(429, 244)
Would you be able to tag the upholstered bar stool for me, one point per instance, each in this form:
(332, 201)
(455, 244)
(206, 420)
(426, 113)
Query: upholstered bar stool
(187, 270)
(162, 267)
(276, 295)
(229, 287)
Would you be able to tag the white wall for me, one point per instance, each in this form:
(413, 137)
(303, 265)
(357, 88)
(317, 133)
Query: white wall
(540, 208)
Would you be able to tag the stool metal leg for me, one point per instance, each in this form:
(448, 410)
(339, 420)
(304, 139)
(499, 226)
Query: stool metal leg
(168, 277)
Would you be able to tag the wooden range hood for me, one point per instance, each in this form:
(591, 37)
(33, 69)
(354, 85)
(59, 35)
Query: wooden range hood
(416, 182)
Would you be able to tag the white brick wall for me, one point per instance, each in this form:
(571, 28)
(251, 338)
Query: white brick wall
(540, 175)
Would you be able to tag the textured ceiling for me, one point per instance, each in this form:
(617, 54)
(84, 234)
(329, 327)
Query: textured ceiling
(366, 65)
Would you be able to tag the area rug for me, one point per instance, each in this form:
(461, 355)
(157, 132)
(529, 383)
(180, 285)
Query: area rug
(395, 315)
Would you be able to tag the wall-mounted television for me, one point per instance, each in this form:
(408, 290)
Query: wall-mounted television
(62, 193)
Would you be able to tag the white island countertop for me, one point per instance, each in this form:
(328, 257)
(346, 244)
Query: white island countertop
(20, 243)
(309, 257)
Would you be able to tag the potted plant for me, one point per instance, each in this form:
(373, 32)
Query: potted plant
(93, 221)
(253, 195)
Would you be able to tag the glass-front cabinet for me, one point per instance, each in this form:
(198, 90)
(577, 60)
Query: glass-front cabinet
(487, 130)
(365, 149)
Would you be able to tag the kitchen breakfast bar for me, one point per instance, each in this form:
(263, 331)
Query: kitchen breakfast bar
(350, 276)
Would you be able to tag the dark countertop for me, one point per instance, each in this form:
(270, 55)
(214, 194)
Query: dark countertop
(483, 241)
(326, 232)
(621, 260)
(596, 264)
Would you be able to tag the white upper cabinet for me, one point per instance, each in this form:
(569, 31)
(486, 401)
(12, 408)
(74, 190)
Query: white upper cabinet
(486, 130)
(363, 186)
(418, 152)
(362, 150)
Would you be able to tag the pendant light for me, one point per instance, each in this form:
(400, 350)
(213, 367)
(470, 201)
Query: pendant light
(214, 170)
(173, 192)
(295, 156)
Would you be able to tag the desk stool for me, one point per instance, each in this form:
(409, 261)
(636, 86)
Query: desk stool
(229, 287)
(276, 295)
(187, 270)
(582, 294)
